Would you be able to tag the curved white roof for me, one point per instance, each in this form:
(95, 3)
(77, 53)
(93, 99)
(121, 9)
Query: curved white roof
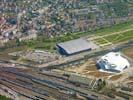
(114, 61)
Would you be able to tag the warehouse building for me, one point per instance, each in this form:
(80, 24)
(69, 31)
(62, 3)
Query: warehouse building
(113, 62)
(75, 46)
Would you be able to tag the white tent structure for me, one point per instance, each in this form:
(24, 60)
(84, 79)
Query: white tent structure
(113, 62)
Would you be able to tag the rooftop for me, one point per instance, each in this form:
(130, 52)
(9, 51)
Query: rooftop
(115, 61)
(77, 45)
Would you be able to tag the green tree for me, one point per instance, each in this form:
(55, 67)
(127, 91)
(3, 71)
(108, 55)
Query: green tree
(17, 42)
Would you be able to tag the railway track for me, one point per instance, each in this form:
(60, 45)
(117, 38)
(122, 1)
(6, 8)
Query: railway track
(43, 85)
(34, 87)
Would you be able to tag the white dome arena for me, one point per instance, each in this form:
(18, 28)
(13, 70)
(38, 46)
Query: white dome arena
(113, 62)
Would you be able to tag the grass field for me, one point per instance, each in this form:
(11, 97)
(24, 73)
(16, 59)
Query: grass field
(114, 38)
(115, 28)
(4, 98)
(101, 41)
(120, 37)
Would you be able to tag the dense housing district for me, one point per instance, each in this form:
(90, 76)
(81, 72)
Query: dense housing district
(66, 50)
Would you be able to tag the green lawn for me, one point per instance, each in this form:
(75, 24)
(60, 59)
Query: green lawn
(4, 98)
(115, 28)
(120, 37)
(100, 41)
(107, 30)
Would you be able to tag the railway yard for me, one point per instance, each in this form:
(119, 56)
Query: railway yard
(42, 85)
(75, 82)
(29, 84)
(71, 78)
(66, 49)
(31, 74)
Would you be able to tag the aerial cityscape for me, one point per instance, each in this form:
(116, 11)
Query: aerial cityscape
(66, 49)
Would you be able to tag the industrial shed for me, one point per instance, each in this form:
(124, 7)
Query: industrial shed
(75, 46)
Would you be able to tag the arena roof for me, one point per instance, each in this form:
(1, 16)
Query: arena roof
(77, 45)
(114, 61)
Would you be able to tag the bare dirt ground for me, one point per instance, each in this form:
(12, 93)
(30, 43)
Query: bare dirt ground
(128, 52)
(88, 69)
(5, 56)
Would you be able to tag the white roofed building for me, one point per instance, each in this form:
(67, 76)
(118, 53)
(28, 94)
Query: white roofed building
(113, 62)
